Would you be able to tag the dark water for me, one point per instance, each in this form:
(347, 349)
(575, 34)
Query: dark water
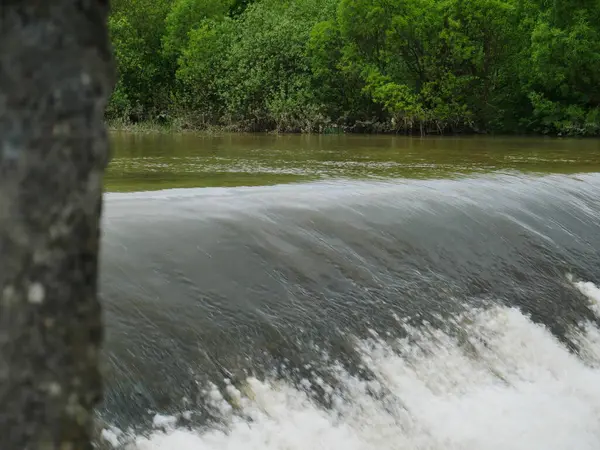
(375, 308)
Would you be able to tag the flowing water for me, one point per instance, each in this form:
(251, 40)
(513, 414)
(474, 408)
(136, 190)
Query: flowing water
(351, 293)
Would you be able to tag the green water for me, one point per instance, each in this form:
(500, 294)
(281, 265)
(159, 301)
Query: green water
(160, 161)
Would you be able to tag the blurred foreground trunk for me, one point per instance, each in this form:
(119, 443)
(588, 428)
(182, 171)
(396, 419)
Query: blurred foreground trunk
(55, 77)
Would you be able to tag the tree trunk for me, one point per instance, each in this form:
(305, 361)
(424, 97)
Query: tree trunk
(55, 77)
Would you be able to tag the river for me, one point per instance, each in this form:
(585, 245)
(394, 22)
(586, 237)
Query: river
(351, 293)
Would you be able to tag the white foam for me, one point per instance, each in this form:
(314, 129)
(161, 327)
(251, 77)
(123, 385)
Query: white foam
(164, 421)
(592, 292)
(112, 436)
(502, 382)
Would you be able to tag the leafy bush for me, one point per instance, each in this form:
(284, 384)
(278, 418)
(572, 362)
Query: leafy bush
(416, 66)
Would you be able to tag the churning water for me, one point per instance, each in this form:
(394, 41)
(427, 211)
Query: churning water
(432, 314)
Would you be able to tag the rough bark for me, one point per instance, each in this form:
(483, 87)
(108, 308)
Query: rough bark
(55, 77)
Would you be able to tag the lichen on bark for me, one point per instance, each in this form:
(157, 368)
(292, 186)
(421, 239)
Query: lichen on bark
(55, 77)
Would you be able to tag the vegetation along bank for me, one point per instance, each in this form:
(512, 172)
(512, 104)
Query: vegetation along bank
(409, 66)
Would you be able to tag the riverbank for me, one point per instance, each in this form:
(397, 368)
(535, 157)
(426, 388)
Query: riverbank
(182, 126)
(146, 127)
(376, 66)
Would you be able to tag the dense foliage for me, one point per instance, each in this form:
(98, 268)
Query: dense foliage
(424, 66)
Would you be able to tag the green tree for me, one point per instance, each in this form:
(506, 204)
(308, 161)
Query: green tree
(186, 16)
(136, 28)
(377, 65)
(563, 79)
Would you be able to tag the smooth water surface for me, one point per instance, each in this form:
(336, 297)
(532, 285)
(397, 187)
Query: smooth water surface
(158, 161)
